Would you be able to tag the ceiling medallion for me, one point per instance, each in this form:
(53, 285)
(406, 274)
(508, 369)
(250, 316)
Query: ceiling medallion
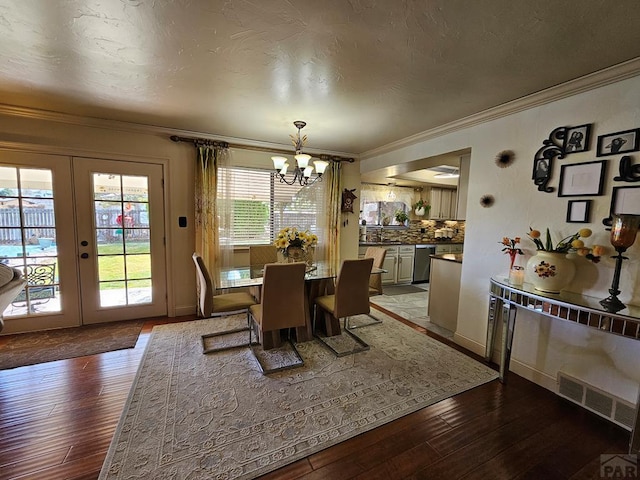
(302, 171)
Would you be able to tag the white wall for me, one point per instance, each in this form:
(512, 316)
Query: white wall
(541, 346)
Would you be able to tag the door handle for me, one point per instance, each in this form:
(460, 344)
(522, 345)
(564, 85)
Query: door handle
(84, 255)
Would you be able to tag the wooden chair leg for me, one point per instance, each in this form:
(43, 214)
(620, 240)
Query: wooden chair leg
(271, 339)
(332, 324)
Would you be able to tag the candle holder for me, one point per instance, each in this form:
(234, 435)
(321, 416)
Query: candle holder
(623, 234)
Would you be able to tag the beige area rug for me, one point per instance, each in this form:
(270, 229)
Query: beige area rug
(39, 347)
(194, 416)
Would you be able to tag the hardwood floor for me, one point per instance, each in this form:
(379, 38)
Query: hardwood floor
(57, 420)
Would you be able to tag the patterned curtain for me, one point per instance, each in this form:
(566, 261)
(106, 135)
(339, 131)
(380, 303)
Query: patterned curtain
(208, 219)
(333, 220)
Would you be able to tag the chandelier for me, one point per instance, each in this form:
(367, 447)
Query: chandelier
(302, 171)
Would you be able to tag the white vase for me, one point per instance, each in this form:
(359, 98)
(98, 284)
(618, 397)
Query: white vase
(419, 212)
(550, 272)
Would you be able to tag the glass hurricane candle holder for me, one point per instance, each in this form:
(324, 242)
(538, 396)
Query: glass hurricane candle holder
(624, 229)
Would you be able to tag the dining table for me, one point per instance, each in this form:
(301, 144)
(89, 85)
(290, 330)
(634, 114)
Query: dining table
(319, 280)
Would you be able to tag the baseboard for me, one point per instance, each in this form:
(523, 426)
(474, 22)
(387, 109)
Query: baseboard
(533, 375)
(469, 344)
(186, 310)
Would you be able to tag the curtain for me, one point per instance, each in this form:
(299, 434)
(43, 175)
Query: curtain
(208, 221)
(333, 213)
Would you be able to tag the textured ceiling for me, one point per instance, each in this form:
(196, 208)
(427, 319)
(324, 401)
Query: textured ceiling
(361, 73)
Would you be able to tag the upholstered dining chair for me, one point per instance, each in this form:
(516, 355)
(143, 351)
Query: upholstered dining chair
(261, 255)
(375, 280)
(282, 306)
(211, 305)
(351, 298)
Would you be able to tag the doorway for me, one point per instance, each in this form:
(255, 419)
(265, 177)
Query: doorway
(88, 234)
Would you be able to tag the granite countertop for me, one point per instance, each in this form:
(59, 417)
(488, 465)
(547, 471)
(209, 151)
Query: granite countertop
(450, 257)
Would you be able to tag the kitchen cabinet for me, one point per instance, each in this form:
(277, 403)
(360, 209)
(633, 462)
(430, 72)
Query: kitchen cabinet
(449, 248)
(406, 254)
(398, 263)
(444, 291)
(463, 188)
(443, 203)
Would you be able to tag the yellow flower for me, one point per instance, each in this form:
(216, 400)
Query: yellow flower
(577, 243)
(598, 250)
(584, 232)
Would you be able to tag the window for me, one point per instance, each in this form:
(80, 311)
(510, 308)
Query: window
(260, 205)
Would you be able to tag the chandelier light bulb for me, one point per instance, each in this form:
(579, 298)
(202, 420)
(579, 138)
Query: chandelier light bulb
(308, 171)
(321, 166)
(279, 162)
(303, 160)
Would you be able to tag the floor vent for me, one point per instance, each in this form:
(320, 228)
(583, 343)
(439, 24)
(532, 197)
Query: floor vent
(604, 404)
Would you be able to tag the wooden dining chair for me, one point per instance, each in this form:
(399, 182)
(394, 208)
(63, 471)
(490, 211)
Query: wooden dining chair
(261, 255)
(282, 307)
(351, 298)
(211, 305)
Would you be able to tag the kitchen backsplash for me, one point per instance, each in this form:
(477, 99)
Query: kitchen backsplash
(418, 232)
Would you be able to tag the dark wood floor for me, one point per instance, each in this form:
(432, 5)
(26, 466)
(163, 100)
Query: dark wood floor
(57, 420)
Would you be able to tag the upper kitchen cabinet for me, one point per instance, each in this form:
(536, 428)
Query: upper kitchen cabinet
(443, 203)
(463, 188)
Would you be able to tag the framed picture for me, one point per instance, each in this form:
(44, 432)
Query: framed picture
(579, 179)
(578, 211)
(577, 139)
(621, 142)
(624, 200)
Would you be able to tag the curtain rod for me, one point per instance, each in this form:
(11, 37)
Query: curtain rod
(218, 143)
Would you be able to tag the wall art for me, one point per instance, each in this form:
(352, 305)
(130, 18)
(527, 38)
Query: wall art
(628, 172)
(552, 147)
(505, 158)
(577, 139)
(620, 142)
(579, 179)
(578, 211)
(623, 200)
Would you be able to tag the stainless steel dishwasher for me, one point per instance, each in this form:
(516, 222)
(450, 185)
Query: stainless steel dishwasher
(422, 263)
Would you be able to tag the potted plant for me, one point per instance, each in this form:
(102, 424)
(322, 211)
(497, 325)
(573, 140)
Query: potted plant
(421, 207)
(401, 217)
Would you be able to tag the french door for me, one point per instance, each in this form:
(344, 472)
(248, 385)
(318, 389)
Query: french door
(120, 239)
(87, 234)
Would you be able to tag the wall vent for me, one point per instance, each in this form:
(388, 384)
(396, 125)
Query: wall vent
(604, 404)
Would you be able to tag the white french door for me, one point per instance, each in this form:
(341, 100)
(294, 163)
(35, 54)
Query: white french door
(88, 234)
(120, 239)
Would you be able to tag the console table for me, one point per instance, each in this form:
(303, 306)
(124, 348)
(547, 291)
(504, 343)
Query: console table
(505, 299)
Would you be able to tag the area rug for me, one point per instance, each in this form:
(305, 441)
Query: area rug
(401, 289)
(39, 347)
(194, 416)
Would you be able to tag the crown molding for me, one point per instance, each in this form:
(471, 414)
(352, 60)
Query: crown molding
(130, 127)
(583, 84)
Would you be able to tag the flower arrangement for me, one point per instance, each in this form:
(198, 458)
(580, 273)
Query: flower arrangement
(292, 237)
(509, 246)
(570, 244)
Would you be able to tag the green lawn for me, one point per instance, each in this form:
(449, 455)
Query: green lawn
(112, 263)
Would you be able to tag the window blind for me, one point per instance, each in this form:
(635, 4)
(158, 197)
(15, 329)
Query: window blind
(260, 205)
